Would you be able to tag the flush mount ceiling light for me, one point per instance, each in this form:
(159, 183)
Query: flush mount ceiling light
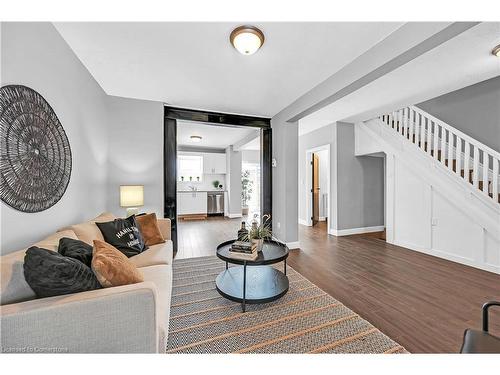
(247, 39)
(195, 138)
(496, 51)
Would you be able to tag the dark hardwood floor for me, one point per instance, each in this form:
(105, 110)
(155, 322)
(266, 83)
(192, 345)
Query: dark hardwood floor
(423, 302)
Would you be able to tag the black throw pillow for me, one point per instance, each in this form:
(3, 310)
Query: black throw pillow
(51, 274)
(76, 249)
(123, 234)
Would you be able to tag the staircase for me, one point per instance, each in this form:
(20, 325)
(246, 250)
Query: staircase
(473, 162)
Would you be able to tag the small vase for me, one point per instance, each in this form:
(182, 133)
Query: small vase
(259, 242)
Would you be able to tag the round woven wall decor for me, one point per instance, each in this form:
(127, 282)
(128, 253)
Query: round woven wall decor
(35, 155)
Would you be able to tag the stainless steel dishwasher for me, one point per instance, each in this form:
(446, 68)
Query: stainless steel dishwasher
(215, 203)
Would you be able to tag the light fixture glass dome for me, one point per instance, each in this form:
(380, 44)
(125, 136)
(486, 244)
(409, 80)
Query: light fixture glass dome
(247, 39)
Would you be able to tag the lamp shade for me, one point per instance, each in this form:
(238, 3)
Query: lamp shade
(131, 195)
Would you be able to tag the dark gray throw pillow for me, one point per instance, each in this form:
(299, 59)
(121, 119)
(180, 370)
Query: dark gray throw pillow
(123, 234)
(76, 249)
(51, 274)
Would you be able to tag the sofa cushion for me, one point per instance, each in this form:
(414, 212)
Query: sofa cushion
(51, 274)
(123, 234)
(161, 276)
(13, 285)
(148, 225)
(76, 249)
(88, 231)
(156, 254)
(112, 267)
(165, 228)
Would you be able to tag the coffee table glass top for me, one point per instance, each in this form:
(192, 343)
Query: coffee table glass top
(272, 252)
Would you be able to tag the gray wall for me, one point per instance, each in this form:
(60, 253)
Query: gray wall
(285, 177)
(474, 110)
(135, 151)
(360, 188)
(35, 55)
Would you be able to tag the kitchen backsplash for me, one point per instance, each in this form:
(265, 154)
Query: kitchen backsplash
(205, 184)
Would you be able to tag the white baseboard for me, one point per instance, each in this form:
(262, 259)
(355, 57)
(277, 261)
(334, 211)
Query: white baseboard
(290, 245)
(348, 232)
(293, 245)
(304, 222)
(322, 218)
(448, 256)
(234, 216)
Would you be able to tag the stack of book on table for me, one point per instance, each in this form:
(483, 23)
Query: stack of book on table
(243, 250)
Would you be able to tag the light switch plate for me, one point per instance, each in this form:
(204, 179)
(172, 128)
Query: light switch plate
(274, 163)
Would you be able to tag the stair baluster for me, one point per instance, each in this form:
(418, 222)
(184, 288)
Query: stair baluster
(459, 153)
(486, 163)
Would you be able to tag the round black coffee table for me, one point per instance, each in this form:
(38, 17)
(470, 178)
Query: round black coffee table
(259, 283)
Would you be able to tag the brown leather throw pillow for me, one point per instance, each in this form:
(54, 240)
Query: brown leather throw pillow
(112, 267)
(148, 226)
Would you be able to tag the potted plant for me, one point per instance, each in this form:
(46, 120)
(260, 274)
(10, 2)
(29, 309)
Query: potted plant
(216, 184)
(182, 178)
(190, 178)
(246, 191)
(260, 232)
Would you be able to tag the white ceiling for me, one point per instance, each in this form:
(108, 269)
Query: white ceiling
(193, 64)
(459, 62)
(213, 136)
(253, 145)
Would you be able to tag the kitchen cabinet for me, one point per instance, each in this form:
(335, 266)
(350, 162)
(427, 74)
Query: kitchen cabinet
(214, 163)
(192, 203)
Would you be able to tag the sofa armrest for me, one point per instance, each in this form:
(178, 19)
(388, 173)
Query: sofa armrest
(165, 227)
(111, 320)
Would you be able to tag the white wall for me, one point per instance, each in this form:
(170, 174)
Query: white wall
(250, 156)
(135, 151)
(233, 181)
(35, 55)
(323, 183)
(205, 185)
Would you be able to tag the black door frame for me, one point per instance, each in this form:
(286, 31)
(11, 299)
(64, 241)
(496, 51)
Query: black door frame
(171, 115)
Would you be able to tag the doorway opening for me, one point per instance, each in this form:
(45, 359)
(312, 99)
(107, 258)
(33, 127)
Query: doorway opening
(217, 171)
(317, 188)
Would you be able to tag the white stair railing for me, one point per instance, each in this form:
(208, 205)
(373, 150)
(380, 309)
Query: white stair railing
(469, 159)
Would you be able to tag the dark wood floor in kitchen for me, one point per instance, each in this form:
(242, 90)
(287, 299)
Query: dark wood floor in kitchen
(423, 302)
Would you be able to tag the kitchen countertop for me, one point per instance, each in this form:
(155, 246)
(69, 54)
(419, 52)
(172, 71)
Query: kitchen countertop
(201, 191)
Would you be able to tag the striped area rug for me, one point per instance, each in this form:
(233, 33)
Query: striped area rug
(305, 320)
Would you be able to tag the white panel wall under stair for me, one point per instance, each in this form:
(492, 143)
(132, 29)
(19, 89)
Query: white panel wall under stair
(454, 234)
(411, 195)
(428, 208)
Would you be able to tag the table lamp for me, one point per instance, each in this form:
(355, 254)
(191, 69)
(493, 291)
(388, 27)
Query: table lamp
(132, 197)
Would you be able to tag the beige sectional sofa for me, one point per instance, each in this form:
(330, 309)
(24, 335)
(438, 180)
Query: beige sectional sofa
(125, 319)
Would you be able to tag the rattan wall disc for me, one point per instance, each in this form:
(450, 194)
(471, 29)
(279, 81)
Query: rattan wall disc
(35, 155)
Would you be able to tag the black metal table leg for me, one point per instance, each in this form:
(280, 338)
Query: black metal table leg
(243, 303)
(285, 266)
